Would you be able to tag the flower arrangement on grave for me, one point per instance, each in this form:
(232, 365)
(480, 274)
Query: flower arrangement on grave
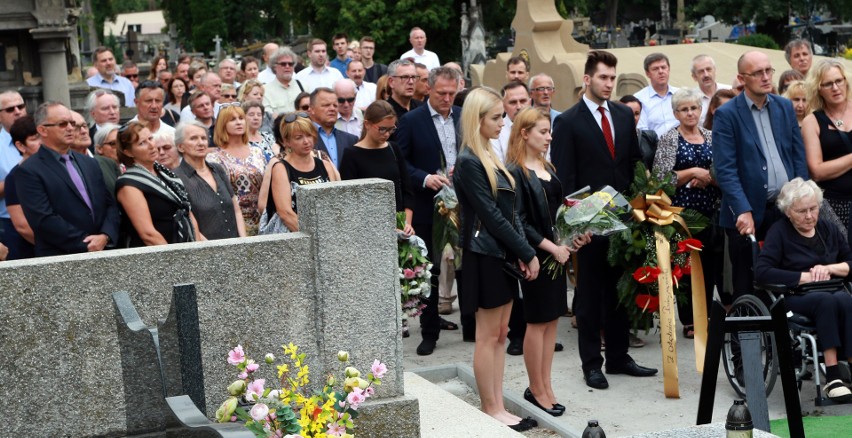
(597, 213)
(414, 271)
(656, 251)
(291, 411)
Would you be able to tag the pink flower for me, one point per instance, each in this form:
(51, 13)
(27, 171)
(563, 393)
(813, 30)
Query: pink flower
(236, 356)
(259, 412)
(370, 391)
(418, 269)
(356, 397)
(255, 388)
(379, 369)
(242, 375)
(252, 367)
(408, 273)
(335, 429)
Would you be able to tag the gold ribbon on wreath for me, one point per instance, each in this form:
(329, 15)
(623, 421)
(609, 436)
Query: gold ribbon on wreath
(658, 210)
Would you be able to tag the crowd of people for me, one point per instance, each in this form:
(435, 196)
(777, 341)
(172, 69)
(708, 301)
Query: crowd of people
(200, 160)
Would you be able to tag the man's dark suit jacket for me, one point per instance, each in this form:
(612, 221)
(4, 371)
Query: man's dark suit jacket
(55, 210)
(580, 153)
(421, 147)
(344, 140)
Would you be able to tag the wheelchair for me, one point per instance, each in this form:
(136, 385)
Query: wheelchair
(807, 356)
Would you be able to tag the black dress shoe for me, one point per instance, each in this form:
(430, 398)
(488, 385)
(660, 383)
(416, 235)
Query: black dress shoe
(558, 347)
(516, 347)
(595, 379)
(559, 407)
(631, 368)
(426, 347)
(524, 425)
(528, 396)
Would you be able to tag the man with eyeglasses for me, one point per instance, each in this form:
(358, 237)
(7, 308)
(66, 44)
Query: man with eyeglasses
(149, 108)
(318, 74)
(757, 147)
(130, 70)
(108, 77)
(541, 91)
(372, 70)
(323, 113)
(349, 118)
(365, 92)
(228, 72)
(62, 192)
(704, 72)
(83, 146)
(402, 75)
(429, 138)
(12, 107)
(280, 94)
(656, 98)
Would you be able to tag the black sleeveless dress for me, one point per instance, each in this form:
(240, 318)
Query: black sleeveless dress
(317, 175)
(838, 191)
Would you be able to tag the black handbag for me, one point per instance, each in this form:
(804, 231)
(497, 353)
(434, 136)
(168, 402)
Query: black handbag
(832, 285)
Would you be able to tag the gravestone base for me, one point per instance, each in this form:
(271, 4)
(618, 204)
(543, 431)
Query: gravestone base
(397, 417)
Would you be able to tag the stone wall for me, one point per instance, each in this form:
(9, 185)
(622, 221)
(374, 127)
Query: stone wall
(332, 286)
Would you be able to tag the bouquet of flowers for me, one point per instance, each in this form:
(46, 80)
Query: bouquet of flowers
(414, 271)
(288, 412)
(584, 211)
(445, 229)
(634, 248)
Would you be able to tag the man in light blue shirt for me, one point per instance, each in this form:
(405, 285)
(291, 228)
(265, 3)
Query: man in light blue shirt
(12, 107)
(108, 78)
(323, 113)
(656, 98)
(541, 92)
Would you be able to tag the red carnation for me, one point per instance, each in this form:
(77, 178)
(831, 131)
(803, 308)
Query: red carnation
(648, 303)
(568, 202)
(646, 274)
(688, 245)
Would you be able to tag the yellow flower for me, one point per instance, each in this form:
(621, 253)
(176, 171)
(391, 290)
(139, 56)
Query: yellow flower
(282, 369)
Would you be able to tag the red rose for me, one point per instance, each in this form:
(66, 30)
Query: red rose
(648, 303)
(688, 245)
(646, 274)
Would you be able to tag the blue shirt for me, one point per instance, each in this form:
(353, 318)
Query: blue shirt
(9, 158)
(119, 83)
(657, 113)
(341, 65)
(330, 142)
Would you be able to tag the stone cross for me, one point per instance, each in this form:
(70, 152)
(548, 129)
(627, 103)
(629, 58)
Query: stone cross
(218, 52)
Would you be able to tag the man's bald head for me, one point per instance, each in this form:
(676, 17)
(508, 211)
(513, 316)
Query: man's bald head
(268, 50)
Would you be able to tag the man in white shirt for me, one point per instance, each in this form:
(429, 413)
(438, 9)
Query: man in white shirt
(418, 52)
(318, 74)
(210, 83)
(267, 75)
(280, 94)
(365, 92)
(704, 72)
(516, 96)
(108, 78)
(349, 118)
(101, 107)
(656, 98)
(541, 92)
(228, 72)
(149, 106)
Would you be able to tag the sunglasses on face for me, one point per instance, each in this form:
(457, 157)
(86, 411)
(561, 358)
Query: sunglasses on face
(345, 99)
(132, 76)
(290, 118)
(304, 107)
(62, 125)
(229, 96)
(11, 109)
(286, 64)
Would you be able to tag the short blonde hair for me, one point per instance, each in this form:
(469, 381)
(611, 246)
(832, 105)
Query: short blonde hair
(797, 189)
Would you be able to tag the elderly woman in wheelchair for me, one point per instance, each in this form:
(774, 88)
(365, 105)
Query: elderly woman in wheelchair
(813, 259)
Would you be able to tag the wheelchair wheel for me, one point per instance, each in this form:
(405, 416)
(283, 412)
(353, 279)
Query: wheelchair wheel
(749, 305)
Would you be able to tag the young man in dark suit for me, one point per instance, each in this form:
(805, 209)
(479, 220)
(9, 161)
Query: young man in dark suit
(62, 192)
(595, 144)
(429, 138)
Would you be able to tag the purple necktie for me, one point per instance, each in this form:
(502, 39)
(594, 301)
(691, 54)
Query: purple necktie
(78, 181)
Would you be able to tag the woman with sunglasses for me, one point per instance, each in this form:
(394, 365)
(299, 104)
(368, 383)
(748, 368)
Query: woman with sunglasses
(154, 204)
(298, 166)
(244, 163)
(376, 157)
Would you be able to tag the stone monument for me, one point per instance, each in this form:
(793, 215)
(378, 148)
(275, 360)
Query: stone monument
(472, 36)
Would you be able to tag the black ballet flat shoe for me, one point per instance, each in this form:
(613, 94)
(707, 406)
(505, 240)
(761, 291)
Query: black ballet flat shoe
(559, 407)
(528, 396)
(521, 426)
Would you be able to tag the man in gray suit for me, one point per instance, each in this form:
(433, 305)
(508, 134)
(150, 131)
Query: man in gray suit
(323, 112)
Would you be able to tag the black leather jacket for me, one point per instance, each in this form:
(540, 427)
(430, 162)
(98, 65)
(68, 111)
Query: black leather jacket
(535, 212)
(489, 226)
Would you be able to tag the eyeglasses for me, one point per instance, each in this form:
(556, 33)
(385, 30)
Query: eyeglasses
(110, 143)
(286, 64)
(304, 107)
(543, 89)
(345, 99)
(62, 125)
(229, 96)
(687, 109)
(11, 109)
(407, 78)
(291, 117)
(835, 83)
(227, 104)
(136, 76)
(760, 73)
(382, 130)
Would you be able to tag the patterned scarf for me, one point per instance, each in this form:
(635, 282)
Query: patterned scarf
(168, 186)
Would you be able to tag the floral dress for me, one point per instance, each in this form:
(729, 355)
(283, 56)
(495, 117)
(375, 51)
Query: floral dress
(265, 145)
(246, 177)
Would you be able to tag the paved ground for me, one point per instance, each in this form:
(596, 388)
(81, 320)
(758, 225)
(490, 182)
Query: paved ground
(631, 405)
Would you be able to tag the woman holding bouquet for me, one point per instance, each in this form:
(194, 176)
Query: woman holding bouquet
(495, 248)
(545, 299)
(686, 152)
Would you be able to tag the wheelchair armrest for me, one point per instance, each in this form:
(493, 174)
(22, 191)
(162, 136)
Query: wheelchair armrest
(777, 288)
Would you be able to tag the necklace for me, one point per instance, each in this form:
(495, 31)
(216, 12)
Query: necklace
(838, 122)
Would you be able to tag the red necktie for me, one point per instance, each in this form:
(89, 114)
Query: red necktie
(607, 132)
